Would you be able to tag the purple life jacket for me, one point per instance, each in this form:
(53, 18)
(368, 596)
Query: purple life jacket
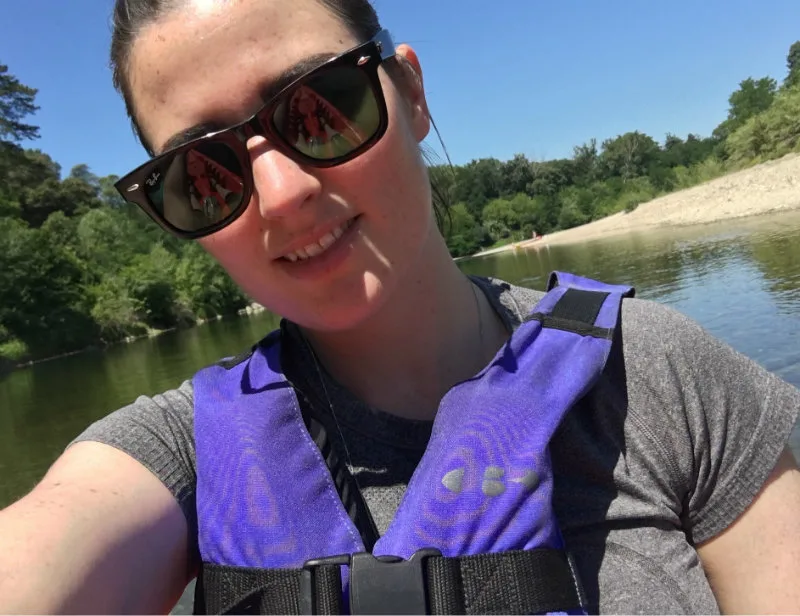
(274, 535)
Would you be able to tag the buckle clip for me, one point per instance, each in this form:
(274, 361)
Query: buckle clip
(378, 585)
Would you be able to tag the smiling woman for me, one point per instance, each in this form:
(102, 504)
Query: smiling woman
(370, 139)
(571, 450)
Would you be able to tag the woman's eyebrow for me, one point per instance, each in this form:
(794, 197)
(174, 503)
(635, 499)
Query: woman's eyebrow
(268, 91)
(306, 65)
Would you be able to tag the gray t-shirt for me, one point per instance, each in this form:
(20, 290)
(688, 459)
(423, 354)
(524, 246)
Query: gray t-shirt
(666, 451)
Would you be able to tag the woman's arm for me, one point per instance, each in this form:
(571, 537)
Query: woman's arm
(99, 534)
(754, 565)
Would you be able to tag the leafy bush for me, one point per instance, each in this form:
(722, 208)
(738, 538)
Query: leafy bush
(13, 351)
(770, 134)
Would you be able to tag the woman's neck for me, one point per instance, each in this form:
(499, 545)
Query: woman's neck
(436, 330)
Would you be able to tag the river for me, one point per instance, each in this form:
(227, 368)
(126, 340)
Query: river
(739, 279)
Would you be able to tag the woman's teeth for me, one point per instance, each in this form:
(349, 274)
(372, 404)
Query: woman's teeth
(320, 246)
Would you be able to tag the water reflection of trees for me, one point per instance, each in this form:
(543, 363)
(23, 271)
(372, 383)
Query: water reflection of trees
(35, 429)
(777, 256)
(630, 259)
(662, 265)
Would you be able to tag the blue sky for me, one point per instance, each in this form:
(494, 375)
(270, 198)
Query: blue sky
(503, 76)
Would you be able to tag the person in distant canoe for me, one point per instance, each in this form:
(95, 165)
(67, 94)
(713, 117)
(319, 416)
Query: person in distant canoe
(501, 449)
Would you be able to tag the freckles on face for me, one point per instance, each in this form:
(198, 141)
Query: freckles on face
(208, 61)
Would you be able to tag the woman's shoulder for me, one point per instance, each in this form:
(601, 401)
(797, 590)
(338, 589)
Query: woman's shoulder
(158, 432)
(718, 420)
(678, 415)
(699, 419)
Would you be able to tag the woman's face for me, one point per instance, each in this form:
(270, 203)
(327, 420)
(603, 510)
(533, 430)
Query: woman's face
(206, 63)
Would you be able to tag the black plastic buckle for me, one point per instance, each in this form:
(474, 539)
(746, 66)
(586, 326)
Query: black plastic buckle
(378, 585)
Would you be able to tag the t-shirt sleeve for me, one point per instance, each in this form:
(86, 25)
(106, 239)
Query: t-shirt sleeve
(725, 421)
(157, 431)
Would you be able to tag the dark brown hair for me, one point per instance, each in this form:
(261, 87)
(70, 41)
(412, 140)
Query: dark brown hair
(132, 16)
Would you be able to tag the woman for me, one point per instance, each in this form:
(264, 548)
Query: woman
(673, 487)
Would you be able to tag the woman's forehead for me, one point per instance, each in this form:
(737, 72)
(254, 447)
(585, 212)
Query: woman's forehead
(211, 66)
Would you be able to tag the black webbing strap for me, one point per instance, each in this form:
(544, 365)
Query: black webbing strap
(576, 311)
(516, 582)
(519, 582)
(242, 590)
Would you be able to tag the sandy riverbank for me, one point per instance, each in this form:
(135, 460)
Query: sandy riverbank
(766, 188)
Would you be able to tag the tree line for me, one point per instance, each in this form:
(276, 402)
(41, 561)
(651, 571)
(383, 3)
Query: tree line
(496, 202)
(79, 267)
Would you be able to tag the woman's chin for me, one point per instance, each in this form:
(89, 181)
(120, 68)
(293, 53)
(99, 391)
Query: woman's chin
(345, 309)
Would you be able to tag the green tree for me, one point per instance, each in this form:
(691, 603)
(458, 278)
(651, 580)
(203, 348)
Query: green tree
(466, 235)
(204, 286)
(45, 304)
(550, 177)
(751, 98)
(630, 155)
(586, 162)
(478, 182)
(108, 241)
(150, 284)
(62, 231)
(517, 217)
(793, 66)
(109, 195)
(82, 173)
(71, 196)
(115, 311)
(17, 102)
(22, 171)
(605, 196)
(500, 219)
(770, 134)
(696, 149)
(516, 175)
(577, 207)
(37, 168)
(529, 214)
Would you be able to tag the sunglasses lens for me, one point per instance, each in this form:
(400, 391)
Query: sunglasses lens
(200, 187)
(330, 115)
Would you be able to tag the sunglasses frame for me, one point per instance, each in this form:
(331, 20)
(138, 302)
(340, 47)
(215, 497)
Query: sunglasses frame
(367, 57)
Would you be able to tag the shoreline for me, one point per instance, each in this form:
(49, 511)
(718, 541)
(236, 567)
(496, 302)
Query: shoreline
(8, 367)
(767, 188)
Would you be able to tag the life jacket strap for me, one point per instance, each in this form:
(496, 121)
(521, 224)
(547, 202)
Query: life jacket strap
(538, 581)
(576, 312)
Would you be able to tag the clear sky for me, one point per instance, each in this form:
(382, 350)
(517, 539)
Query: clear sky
(502, 76)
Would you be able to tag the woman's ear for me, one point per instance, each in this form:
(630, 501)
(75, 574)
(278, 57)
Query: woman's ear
(414, 90)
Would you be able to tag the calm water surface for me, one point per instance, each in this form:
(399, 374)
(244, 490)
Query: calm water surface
(741, 280)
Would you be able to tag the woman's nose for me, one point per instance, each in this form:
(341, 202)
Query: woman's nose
(282, 185)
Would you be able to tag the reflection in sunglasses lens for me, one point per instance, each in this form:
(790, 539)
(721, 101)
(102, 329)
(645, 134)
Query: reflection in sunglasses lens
(329, 115)
(203, 186)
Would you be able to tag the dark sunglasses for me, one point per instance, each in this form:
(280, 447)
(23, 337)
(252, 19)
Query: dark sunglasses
(325, 118)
